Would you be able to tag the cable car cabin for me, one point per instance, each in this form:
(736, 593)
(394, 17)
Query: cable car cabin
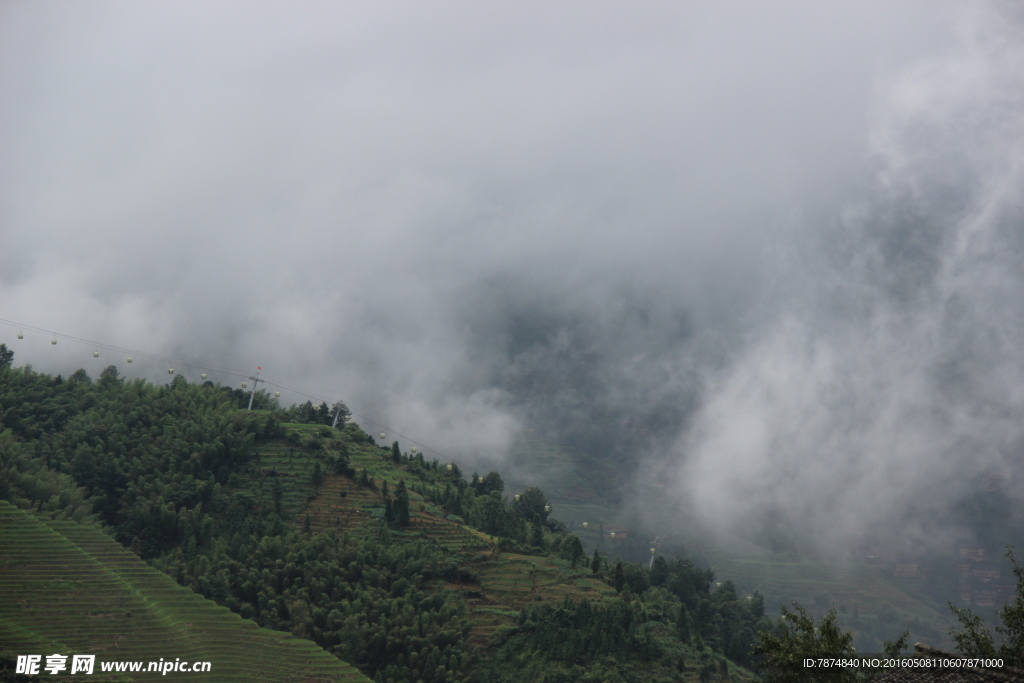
(53, 341)
(129, 360)
(413, 450)
(170, 371)
(516, 496)
(243, 385)
(585, 525)
(449, 467)
(383, 435)
(547, 508)
(95, 354)
(203, 375)
(21, 336)
(277, 394)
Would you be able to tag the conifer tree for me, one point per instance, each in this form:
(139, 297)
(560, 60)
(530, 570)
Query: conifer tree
(683, 623)
(572, 549)
(618, 578)
(401, 505)
(536, 535)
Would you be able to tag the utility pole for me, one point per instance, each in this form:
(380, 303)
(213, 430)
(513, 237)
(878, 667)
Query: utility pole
(255, 380)
(341, 413)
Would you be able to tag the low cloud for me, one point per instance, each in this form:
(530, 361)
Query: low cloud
(888, 387)
(774, 249)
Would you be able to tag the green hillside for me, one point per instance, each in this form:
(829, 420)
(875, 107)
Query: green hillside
(404, 568)
(71, 589)
(494, 584)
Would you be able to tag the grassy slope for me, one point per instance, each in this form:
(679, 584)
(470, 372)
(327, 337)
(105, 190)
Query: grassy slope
(71, 589)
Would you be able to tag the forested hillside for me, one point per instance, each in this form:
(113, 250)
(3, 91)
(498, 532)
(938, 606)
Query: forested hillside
(395, 564)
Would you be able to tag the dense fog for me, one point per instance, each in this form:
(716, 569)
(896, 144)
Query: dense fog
(770, 253)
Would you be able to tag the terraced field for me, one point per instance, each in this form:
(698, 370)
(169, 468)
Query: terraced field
(519, 579)
(70, 589)
(510, 581)
(504, 582)
(341, 504)
(287, 466)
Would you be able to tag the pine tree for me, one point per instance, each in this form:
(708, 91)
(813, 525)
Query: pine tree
(618, 578)
(537, 535)
(396, 453)
(595, 564)
(401, 505)
(683, 624)
(572, 549)
(389, 510)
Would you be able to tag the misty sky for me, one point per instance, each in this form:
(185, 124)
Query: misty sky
(773, 251)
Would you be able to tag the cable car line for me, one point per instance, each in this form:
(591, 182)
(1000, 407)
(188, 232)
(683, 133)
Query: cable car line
(120, 349)
(315, 399)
